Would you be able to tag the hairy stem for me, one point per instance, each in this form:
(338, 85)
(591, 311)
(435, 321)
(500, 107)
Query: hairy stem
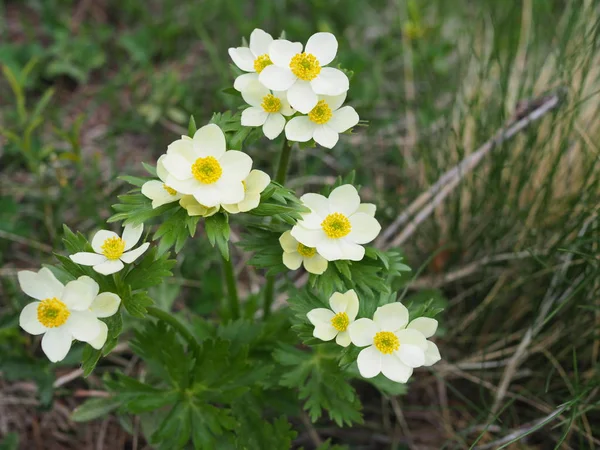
(232, 295)
(174, 323)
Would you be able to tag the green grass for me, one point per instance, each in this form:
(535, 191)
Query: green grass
(103, 86)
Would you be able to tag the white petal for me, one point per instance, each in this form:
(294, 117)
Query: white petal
(426, 325)
(87, 258)
(362, 332)
(412, 337)
(432, 354)
(131, 256)
(274, 125)
(320, 316)
(315, 264)
(257, 181)
(364, 228)
(40, 285)
(250, 201)
(242, 82)
(343, 339)
(282, 51)
(338, 302)
(99, 341)
(286, 108)
(231, 192)
(325, 136)
(325, 332)
(288, 243)
(292, 260)
(330, 81)
(80, 293)
(277, 78)
(254, 116)
(317, 203)
(28, 319)
(243, 58)
(411, 355)
(161, 172)
(105, 304)
(155, 191)
(260, 42)
(334, 101)
(369, 362)
(183, 186)
(343, 119)
(349, 303)
(310, 238)
(344, 199)
(367, 208)
(391, 317)
(132, 234)
(394, 369)
(231, 209)
(254, 92)
(302, 97)
(183, 148)
(336, 249)
(83, 325)
(300, 129)
(109, 267)
(177, 167)
(56, 343)
(324, 46)
(100, 237)
(210, 141)
(236, 165)
(209, 195)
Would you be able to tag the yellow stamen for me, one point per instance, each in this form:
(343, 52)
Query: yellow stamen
(113, 248)
(386, 342)
(271, 104)
(305, 251)
(305, 66)
(336, 226)
(207, 170)
(170, 190)
(261, 62)
(340, 321)
(321, 113)
(52, 313)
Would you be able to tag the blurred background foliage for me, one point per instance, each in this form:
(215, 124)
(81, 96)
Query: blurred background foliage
(90, 89)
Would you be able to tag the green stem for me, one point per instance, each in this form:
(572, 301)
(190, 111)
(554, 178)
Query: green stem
(174, 323)
(234, 302)
(282, 169)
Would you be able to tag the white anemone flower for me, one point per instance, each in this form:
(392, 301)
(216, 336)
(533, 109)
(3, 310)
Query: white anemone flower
(193, 208)
(256, 182)
(337, 226)
(202, 167)
(111, 251)
(252, 59)
(392, 348)
(324, 122)
(303, 74)
(267, 109)
(296, 254)
(158, 191)
(334, 323)
(63, 313)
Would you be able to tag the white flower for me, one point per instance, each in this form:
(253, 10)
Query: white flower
(267, 109)
(193, 208)
(111, 250)
(338, 226)
(203, 168)
(158, 191)
(334, 323)
(393, 347)
(252, 59)
(295, 254)
(324, 122)
(303, 74)
(254, 184)
(64, 313)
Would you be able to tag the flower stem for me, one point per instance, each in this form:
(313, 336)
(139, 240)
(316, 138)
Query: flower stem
(174, 323)
(282, 169)
(234, 302)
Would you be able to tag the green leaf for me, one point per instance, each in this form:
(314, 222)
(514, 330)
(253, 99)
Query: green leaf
(94, 408)
(217, 231)
(136, 303)
(90, 358)
(10, 441)
(150, 271)
(192, 127)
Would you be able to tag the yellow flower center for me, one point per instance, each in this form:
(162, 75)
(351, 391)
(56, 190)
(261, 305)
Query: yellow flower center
(52, 313)
(340, 321)
(305, 251)
(170, 190)
(207, 170)
(271, 104)
(305, 66)
(113, 248)
(386, 342)
(336, 226)
(321, 113)
(261, 62)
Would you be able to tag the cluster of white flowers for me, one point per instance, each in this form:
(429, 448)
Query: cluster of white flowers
(393, 345)
(285, 81)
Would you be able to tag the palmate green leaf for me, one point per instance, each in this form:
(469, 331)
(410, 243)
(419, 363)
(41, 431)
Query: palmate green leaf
(137, 397)
(94, 408)
(280, 203)
(210, 423)
(217, 231)
(90, 358)
(150, 270)
(264, 243)
(135, 209)
(175, 229)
